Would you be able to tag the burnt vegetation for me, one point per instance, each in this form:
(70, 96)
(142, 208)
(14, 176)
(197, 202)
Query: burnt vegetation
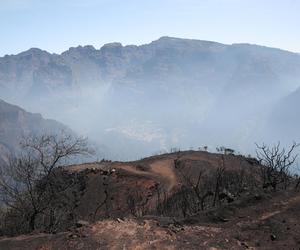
(35, 191)
(39, 194)
(204, 189)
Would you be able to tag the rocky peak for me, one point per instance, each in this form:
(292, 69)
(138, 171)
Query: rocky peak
(34, 52)
(111, 48)
(79, 51)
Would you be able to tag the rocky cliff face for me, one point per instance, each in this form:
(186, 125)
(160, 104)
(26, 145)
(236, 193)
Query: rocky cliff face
(171, 92)
(200, 62)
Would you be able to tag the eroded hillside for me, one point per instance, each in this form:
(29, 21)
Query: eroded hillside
(141, 205)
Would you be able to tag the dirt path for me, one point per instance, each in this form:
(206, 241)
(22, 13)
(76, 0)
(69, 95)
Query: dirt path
(284, 205)
(165, 170)
(161, 170)
(133, 170)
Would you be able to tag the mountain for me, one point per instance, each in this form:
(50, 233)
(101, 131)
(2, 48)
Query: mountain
(171, 92)
(162, 60)
(16, 123)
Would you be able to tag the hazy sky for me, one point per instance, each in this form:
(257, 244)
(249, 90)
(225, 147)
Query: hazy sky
(56, 25)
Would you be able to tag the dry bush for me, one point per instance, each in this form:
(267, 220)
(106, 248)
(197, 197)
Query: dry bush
(208, 188)
(34, 194)
(275, 164)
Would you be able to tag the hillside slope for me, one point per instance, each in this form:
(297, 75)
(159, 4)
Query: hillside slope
(15, 123)
(255, 220)
(142, 182)
(268, 224)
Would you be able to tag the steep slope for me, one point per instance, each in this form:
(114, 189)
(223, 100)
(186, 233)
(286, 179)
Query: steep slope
(167, 59)
(120, 95)
(16, 123)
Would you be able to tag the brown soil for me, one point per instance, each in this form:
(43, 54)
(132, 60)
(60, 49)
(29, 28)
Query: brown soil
(256, 221)
(267, 223)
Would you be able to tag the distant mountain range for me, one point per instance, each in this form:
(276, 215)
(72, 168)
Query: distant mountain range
(171, 92)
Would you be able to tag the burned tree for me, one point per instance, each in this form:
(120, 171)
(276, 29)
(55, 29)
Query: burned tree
(275, 164)
(30, 186)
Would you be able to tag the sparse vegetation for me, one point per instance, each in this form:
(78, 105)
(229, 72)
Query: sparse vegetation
(39, 195)
(33, 191)
(275, 163)
(204, 189)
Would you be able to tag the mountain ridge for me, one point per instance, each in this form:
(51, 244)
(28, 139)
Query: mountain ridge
(121, 93)
(163, 38)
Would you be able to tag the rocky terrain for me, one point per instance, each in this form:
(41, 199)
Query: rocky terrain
(204, 63)
(119, 95)
(265, 223)
(255, 219)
